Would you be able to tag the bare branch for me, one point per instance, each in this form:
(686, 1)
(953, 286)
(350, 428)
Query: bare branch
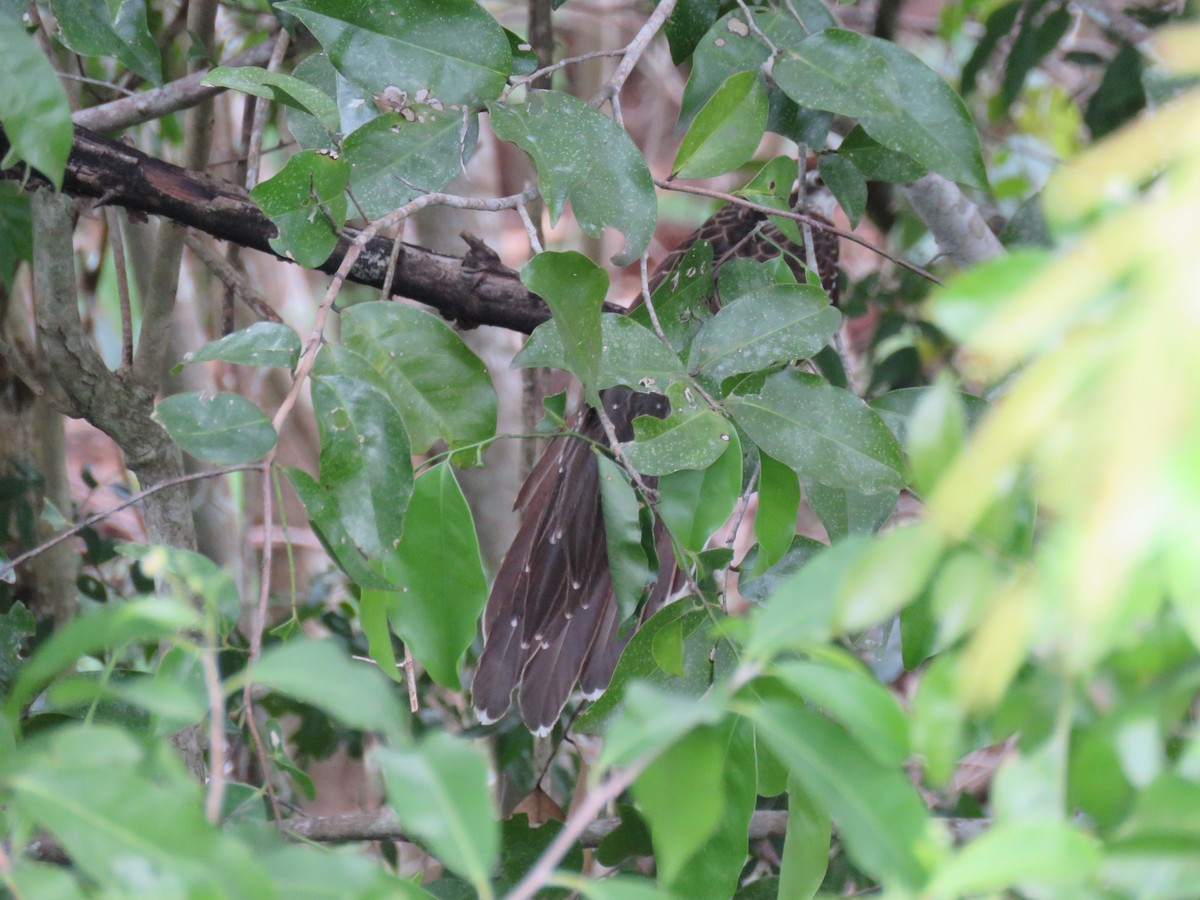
(954, 220)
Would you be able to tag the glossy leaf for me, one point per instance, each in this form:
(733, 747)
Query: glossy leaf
(875, 161)
(696, 502)
(681, 301)
(630, 354)
(764, 328)
(879, 814)
(355, 105)
(800, 610)
(631, 570)
(366, 469)
(573, 287)
(897, 408)
(730, 47)
(37, 118)
(90, 29)
(138, 620)
(321, 507)
(778, 505)
(687, 439)
(260, 344)
(323, 674)
(107, 797)
(849, 186)
(889, 575)
(680, 796)
(727, 130)
(307, 203)
(639, 665)
(225, 429)
(897, 99)
(285, 89)
(439, 575)
(652, 719)
(439, 386)
(844, 512)
(451, 48)
(396, 157)
(806, 846)
(822, 432)
(935, 435)
(439, 789)
(848, 694)
(1033, 856)
(714, 870)
(610, 185)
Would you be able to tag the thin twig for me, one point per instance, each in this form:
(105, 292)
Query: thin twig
(117, 243)
(410, 679)
(214, 798)
(758, 32)
(101, 516)
(581, 817)
(797, 217)
(254, 155)
(658, 329)
(97, 82)
(632, 53)
(535, 243)
(241, 287)
(551, 69)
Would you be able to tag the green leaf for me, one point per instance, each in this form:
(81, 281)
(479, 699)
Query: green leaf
(839, 686)
(639, 665)
(879, 814)
(935, 435)
(806, 846)
(822, 432)
(306, 200)
(764, 328)
(687, 439)
(730, 47)
(226, 429)
(897, 408)
(620, 887)
(129, 817)
(301, 872)
(687, 24)
(111, 626)
(16, 626)
(631, 570)
(696, 502)
(1032, 857)
(190, 575)
(451, 48)
(610, 185)
(573, 287)
(285, 89)
(439, 573)
(321, 506)
(846, 181)
(89, 30)
(652, 719)
(355, 105)
(888, 576)
(778, 505)
(727, 130)
(844, 512)
(875, 161)
(440, 387)
(681, 798)
(937, 721)
(16, 232)
(631, 354)
(439, 789)
(261, 344)
(36, 118)
(396, 157)
(366, 468)
(681, 301)
(897, 99)
(800, 610)
(322, 674)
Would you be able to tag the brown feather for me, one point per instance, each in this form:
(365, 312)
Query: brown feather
(551, 619)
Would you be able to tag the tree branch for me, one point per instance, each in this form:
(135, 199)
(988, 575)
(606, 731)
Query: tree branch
(118, 174)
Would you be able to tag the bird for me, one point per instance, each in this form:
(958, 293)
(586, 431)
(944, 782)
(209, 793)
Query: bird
(551, 619)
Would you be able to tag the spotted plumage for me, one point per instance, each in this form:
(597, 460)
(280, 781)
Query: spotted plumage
(551, 619)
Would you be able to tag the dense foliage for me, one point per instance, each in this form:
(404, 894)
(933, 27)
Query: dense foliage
(1039, 408)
